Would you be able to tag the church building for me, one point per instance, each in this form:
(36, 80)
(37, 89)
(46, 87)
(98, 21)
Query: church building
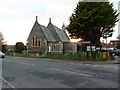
(49, 40)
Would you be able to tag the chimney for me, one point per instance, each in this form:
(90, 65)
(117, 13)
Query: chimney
(63, 27)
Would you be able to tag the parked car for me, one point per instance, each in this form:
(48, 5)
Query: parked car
(2, 55)
(116, 52)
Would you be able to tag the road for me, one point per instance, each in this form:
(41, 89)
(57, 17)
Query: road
(20, 72)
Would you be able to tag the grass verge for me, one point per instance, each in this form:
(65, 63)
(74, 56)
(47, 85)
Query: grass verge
(76, 57)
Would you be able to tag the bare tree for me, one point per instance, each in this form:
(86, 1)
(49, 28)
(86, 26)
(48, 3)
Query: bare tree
(1, 37)
(2, 42)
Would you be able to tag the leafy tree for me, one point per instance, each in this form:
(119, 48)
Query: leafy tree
(19, 47)
(4, 48)
(92, 20)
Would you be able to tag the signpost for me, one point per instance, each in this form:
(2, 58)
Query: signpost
(89, 49)
(84, 42)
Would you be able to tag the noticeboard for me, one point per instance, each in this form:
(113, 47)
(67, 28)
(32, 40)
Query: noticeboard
(93, 48)
(88, 48)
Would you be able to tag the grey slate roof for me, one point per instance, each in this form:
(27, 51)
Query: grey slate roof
(63, 37)
(47, 33)
(58, 34)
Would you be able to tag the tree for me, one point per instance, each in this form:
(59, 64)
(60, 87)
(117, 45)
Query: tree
(19, 47)
(92, 20)
(2, 43)
(1, 39)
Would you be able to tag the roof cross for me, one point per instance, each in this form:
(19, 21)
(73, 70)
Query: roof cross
(36, 18)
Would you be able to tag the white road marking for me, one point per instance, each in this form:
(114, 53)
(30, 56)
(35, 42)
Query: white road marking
(110, 67)
(71, 72)
(116, 67)
(87, 64)
(72, 63)
(96, 65)
(27, 63)
(16, 57)
(23, 63)
(7, 82)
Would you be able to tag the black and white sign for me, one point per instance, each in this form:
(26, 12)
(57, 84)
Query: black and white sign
(88, 48)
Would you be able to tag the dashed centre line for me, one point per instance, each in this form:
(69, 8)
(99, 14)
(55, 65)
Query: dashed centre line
(27, 64)
(72, 72)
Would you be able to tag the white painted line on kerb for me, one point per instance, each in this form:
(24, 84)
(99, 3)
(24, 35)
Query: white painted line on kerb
(71, 72)
(7, 82)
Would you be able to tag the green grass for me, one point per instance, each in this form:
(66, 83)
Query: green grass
(77, 56)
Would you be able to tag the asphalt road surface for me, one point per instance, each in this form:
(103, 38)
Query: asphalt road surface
(20, 72)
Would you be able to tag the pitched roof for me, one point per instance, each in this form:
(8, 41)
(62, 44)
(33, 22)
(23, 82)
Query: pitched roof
(63, 37)
(58, 34)
(47, 33)
(51, 32)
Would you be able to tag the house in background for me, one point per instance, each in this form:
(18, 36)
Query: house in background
(49, 40)
(113, 43)
(10, 48)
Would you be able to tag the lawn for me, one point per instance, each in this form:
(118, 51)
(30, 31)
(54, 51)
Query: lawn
(77, 56)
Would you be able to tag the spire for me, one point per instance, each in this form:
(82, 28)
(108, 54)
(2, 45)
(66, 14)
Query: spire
(49, 20)
(63, 27)
(36, 18)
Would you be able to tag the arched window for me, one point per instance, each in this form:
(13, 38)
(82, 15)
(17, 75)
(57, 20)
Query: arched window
(33, 42)
(36, 41)
(39, 43)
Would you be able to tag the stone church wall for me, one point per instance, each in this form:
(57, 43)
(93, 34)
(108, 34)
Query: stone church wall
(70, 48)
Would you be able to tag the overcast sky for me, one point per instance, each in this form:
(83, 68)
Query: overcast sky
(18, 16)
